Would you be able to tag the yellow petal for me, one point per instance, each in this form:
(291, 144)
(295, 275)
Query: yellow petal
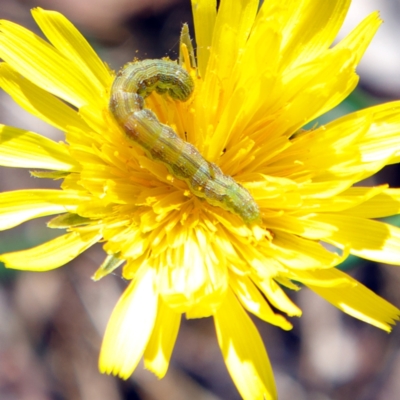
(351, 199)
(365, 238)
(278, 298)
(232, 28)
(253, 301)
(382, 205)
(310, 27)
(381, 142)
(297, 252)
(191, 284)
(354, 299)
(70, 42)
(22, 205)
(243, 351)
(42, 64)
(314, 89)
(130, 326)
(204, 14)
(159, 349)
(52, 254)
(360, 38)
(37, 101)
(24, 149)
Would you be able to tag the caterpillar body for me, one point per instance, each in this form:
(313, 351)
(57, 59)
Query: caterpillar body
(160, 143)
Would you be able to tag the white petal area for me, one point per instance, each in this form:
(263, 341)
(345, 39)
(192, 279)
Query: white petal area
(243, 351)
(130, 326)
(25, 149)
(52, 254)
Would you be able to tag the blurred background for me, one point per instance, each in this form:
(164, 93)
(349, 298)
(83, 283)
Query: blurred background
(51, 324)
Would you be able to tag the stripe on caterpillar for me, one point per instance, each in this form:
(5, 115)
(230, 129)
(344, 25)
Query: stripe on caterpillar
(160, 143)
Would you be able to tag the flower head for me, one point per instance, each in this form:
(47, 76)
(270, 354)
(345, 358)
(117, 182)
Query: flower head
(262, 75)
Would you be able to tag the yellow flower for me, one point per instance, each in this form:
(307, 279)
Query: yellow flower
(262, 75)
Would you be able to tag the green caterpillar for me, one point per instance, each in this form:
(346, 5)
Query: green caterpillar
(160, 143)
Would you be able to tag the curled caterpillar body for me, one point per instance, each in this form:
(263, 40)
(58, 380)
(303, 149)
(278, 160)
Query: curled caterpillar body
(160, 143)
